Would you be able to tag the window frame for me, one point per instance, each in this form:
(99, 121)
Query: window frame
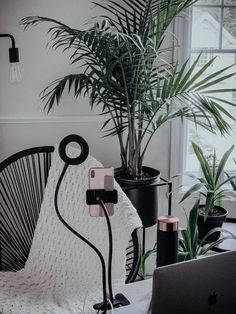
(182, 31)
(220, 6)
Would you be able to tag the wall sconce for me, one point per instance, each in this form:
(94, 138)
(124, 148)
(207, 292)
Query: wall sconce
(14, 73)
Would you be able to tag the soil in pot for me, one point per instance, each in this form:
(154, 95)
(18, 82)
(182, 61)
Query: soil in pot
(215, 220)
(143, 194)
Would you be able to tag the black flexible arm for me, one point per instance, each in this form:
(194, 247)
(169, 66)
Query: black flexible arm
(110, 250)
(81, 237)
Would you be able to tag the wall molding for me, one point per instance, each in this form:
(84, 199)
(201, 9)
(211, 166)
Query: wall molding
(53, 119)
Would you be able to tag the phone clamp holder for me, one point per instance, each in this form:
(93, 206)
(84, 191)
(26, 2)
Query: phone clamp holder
(93, 196)
(119, 301)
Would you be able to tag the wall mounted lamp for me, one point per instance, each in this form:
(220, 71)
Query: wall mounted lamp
(14, 73)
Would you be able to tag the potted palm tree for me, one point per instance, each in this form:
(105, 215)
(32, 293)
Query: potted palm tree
(124, 71)
(210, 214)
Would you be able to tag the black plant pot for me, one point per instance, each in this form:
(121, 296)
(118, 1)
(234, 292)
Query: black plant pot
(143, 194)
(212, 221)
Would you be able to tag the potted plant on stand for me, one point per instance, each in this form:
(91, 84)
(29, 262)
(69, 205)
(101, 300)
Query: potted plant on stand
(125, 72)
(210, 214)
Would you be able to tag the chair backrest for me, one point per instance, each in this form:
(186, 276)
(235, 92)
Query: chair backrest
(23, 177)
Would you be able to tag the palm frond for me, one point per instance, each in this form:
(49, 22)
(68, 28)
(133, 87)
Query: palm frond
(125, 72)
(52, 94)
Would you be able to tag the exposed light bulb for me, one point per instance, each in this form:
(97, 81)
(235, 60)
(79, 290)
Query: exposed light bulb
(15, 75)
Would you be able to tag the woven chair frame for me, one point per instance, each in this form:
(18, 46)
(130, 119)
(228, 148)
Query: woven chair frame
(23, 177)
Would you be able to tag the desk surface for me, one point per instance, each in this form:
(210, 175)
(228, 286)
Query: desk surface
(139, 308)
(139, 294)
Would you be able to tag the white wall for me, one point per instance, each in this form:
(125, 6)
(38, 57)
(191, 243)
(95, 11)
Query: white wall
(23, 123)
(22, 120)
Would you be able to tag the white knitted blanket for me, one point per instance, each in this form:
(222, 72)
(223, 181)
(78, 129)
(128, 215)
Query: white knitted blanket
(62, 274)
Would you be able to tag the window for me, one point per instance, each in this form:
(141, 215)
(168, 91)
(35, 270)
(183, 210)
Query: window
(213, 32)
(205, 57)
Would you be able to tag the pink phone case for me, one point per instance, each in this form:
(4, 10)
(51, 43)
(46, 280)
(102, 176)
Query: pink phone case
(101, 178)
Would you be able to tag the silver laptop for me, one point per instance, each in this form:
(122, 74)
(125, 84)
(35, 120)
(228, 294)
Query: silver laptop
(202, 286)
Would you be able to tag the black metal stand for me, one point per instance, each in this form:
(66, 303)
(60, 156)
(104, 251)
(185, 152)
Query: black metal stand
(163, 182)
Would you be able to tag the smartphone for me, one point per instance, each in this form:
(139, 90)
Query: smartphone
(101, 178)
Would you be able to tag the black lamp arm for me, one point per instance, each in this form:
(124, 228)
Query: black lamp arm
(11, 37)
(13, 51)
(110, 249)
(104, 304)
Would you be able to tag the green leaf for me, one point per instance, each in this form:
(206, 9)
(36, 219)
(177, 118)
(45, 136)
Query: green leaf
(225, 181)
(222, 90)
(212, 76)
(193, 215)
(232, 182)
(196, 187)
(209, 203)
(199, 73)
(144, 258)
(204, 250)
(187, 76)
(205, 167)
(183, 256)
(187, 241)
(215, 82)
(222, 163)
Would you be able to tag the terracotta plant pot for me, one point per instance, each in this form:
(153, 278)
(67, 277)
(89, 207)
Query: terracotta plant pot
(143, 194)
(212, 221)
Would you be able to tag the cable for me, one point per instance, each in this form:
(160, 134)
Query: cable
(110, 249)
(80, 236)
(111, 305)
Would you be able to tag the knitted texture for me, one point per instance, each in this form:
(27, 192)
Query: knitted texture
(62, 274)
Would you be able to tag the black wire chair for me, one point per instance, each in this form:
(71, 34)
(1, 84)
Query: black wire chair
(23, 177)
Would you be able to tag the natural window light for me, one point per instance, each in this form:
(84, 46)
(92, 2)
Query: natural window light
(213, 33)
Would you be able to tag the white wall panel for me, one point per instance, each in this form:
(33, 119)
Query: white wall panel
(23, 123)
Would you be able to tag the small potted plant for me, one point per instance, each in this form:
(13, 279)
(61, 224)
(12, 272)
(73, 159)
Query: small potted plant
(211, 189)
(189, 246)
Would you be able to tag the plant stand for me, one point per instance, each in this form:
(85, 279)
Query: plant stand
(162, 182)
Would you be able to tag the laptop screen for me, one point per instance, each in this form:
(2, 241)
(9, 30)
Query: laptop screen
(205, 285)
